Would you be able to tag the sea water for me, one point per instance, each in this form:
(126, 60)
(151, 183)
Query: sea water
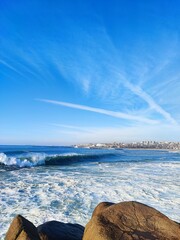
(65, 183)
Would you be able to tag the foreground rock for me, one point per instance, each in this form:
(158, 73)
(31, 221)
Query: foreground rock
(122, 221)
(54, 230)
(22, 229)
(130, 221)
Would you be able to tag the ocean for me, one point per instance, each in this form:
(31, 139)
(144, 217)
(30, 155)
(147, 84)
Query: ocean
(45, 183)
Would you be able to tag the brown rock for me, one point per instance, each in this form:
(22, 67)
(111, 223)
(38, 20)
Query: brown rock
(55, 230)
(130, 221)
(22, 229)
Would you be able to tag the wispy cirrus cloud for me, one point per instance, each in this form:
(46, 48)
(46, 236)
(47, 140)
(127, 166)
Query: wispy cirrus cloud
(6, 64)
(152, 104)
(101, 71)
(146, 71)
(102, 111)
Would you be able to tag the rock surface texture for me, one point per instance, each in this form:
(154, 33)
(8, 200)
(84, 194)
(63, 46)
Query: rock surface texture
(54, 230)
(22, 229)
(130, 221)
(122, 221)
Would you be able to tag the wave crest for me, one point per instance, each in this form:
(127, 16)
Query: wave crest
(37, 159)
(31, 160)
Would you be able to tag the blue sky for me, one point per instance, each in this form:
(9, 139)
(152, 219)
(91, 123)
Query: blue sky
(89, 71)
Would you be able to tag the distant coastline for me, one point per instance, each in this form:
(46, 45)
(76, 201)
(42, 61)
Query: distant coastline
(144, 145)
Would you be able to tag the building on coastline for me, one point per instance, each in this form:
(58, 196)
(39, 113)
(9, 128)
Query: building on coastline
(134, 145)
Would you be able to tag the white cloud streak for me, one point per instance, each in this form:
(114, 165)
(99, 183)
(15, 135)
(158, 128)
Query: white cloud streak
(10, 67)
(139, 92)
(112, 72)
(102, 111)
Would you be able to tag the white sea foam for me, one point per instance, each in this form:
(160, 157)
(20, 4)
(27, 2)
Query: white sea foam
(70, 194)
(3, 158)
(67, 154)
(174, 151)
(30, 160)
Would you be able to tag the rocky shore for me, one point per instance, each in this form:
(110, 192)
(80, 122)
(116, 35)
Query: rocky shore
(109, 221)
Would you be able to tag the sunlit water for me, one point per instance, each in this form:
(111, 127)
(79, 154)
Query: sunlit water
(67, 187)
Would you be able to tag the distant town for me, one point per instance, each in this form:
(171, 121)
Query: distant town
(134, 145)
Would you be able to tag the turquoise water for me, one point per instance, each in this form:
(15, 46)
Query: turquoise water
(65, 183)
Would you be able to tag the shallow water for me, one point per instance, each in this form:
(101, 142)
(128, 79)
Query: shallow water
(70, 192)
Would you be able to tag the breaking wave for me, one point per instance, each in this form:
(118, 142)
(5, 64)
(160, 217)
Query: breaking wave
(38, 159)
(31, 160)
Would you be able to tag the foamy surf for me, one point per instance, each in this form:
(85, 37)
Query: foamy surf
(70, 192)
